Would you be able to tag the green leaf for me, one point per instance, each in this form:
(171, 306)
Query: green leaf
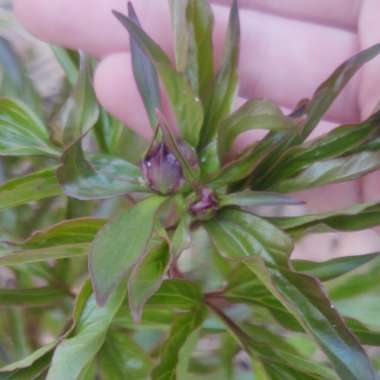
(144, 73)
(181, 32)
(76, 351)
(243, 165)
(262, 176)
(147, 275)
(368, 335)
(330, 269)
(193, 25)
(31, 297)
(101, 178)
(65, 59)
(29, 368)
(68, 239)
(182, 330)
(187, 108)
(181, 238)
(29, 188)
(28, 256)
(22, 133)
(80, 112)
(235, 233)
(131, 230)
(178, 294)
(339, 141)
(254, 114)
(15, 81)
(81, 230)
(239, 234)
(280, 359)
(37, 362)
(330, 171)
(121, 358)
(327, 92)
(250, 198)
(245, 287)
(305, 299)
(357, 217)
(223, 90)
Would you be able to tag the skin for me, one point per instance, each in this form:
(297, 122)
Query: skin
(288, 48)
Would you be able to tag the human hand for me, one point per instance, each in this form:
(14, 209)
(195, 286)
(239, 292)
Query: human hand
(288, 48)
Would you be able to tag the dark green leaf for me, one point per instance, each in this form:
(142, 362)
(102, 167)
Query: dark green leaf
(223, 90)
(368, 335)
(357, 217)
(250, 198)
(131, 231)
(327, 92)
(305, 299)
(31, 297)
(322, 99)
(339, 141)
(241, 167)
(331, 171)
(245, 287)
(236, 233)
(121, 358)
(186, 106)
(117, 139)
(239, 234)
(330, 269)
(184, 328)
(22, 133)
(254, 114)
(29, 188)
(101, 178)
(75, 352)
(145, 74)
(80, 112)
(147, 275)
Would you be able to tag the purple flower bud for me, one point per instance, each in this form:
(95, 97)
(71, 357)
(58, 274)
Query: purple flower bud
(205, 205)
(162, 170)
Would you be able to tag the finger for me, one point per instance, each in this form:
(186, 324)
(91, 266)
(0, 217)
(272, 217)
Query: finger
(369, 34)
(116, 90)
(276, 52)
(330, 197)
(336, 244)
(339, 13)
(90, 24)
(369, 91)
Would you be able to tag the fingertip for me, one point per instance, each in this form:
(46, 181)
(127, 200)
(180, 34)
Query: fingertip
(369, 34)
(116, 90)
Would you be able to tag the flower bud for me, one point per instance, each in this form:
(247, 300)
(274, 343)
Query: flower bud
(162, 170)
(204, 205)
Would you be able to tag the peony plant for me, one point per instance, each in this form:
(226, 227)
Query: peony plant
(190, 274)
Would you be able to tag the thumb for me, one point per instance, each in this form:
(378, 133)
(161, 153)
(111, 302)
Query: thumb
(369, 88)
